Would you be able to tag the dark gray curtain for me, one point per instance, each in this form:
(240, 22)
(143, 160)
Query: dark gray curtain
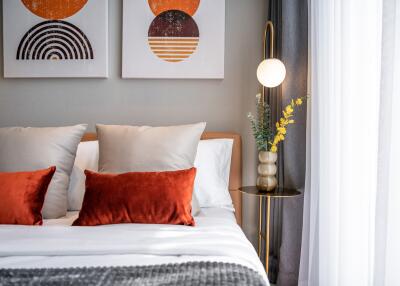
(295, 57)
(291, 46)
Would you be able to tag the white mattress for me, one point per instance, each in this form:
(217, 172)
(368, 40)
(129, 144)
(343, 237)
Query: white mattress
(216, 237)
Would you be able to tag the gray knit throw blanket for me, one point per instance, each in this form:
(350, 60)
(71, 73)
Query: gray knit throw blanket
(190, 273)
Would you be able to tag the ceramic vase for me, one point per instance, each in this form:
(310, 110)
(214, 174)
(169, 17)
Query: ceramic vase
(266, 180)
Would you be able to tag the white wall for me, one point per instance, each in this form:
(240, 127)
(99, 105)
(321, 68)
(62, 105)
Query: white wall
(223, 104)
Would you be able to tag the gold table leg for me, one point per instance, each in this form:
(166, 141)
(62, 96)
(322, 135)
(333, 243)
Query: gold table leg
(267, 234)
(259, 226)
(267, 226)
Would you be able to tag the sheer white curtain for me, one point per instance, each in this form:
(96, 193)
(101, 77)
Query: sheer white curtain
(352, 192)
(387, 250)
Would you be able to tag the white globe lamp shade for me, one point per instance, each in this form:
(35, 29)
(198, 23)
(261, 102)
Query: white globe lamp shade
(271, 72)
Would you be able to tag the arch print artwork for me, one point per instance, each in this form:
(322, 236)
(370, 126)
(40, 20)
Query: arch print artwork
(173, 39)
(55, 38)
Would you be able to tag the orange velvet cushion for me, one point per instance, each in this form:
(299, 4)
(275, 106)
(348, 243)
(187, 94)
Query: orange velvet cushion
(22, 196)
(138, 197)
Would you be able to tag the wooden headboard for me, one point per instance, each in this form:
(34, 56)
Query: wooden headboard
(235, 178)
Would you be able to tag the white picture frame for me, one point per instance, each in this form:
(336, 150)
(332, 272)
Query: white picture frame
(75, 44)
(140, 57)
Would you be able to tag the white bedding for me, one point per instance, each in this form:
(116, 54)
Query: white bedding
(216, 237)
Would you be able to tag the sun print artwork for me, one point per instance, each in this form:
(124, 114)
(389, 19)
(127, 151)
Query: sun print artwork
(173, 38)
(173, 34)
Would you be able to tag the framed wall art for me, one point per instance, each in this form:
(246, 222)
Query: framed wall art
(55, 38)
(173, 38)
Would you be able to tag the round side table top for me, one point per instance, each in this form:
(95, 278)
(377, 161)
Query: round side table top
(279, 192)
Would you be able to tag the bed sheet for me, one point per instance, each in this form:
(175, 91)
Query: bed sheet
(216, 237)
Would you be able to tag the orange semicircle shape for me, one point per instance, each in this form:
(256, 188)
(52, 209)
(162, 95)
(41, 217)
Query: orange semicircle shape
(54, 9)
(187, 6)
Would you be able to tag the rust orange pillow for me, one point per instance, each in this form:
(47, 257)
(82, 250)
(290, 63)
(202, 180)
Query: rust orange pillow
(138, 197)
(22, 196)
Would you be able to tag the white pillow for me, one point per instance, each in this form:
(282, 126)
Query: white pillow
(195, 206)
(28, 149)
(213, 163)
(87, 158)
(147, 149)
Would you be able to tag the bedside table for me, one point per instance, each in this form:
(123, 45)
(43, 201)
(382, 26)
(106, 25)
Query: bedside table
(278, 193)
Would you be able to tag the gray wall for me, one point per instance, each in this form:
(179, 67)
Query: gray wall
(223, 104)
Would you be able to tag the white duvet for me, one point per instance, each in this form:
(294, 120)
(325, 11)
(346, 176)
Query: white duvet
(216, 237)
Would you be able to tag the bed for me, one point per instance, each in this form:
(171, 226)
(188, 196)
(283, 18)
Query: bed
(214, 252)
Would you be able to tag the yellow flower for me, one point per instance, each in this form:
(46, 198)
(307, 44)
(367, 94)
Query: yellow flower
(299, 101)
(282, 130)
(289, 109)
(285, 115)
(284, 122)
